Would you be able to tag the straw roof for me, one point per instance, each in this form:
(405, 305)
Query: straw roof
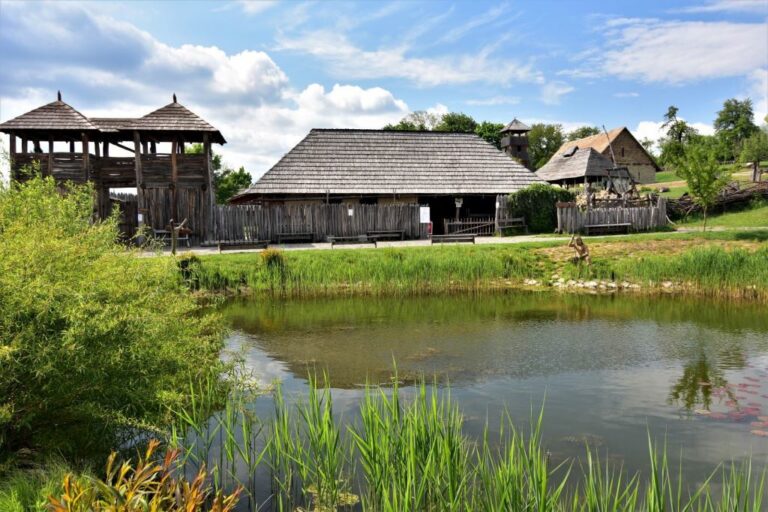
(583, 162)
(385, 162)
(55, 116)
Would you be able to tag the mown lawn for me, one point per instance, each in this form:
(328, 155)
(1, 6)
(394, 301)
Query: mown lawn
(750, 218)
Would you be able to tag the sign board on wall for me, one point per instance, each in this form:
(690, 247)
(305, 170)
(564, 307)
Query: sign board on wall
(424, 216)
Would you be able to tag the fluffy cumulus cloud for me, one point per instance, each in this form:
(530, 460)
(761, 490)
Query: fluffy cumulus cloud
(758, 91)
(677, 52)
(106, 67)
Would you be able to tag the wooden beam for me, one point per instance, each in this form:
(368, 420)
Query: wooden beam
(86, 158)
(139, 177)
(106, 149)
(144, 147)
(50, 156)
(153, 147)
(174, 179)
(96, 148)
(12, 149)
(135, 150)
(24, 146)
(211, 199)
(72, 146)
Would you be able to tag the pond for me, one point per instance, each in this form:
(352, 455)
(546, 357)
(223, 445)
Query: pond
(608, 370)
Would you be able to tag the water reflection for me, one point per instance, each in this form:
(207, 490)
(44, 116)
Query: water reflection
(611, 369)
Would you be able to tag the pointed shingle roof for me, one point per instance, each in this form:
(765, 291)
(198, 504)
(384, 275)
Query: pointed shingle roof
(384, 162)
(176, 117)
(54, 116)
(516, 126)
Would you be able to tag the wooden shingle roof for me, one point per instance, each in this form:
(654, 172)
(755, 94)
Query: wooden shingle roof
(385, 162)
(598, 142)
(114, 124)
(55, 116)
(176, 117)
(584, 162)
(516, 126)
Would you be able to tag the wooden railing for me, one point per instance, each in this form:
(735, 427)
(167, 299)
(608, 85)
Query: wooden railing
(472, 226)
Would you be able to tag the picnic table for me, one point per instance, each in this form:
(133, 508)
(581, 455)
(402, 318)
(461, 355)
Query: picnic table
(393, 234)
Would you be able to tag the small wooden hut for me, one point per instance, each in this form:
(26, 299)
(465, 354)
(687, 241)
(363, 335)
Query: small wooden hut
(169, 185)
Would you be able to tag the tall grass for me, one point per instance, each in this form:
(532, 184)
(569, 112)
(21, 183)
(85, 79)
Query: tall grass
(411, 453)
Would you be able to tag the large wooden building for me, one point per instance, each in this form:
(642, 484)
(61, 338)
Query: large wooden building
(444, 171)
(170, 185)
(627, 151)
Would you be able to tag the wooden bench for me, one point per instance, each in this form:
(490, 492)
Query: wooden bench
(386, 235)
(619, 227)
(294, 237)
(357, 239)
(513, 222)
(441, 239)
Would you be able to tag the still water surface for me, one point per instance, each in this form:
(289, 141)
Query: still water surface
(608, 370)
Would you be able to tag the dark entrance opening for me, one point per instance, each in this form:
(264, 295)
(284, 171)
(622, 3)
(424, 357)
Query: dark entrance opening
(444, 207)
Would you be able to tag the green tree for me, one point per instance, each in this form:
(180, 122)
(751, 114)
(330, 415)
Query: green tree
(456, 122)
(700, 169)
(543, 141)
(229, 182)
(491, 132)
(537, 203)
(583, 131)
(648, 145)
(754, 150)
(419, 120)
(734, 125)
(226, 181)
(679, 134)
(95, 343)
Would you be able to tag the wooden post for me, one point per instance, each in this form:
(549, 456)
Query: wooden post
(96, 149)
(210, 183)
(106, 149)
(139, 177)
(152, 147)
(24, 146)
(144, 147)
(12, 149)
(72, 146)
(86, 166)
(50, 156)
(174, 179)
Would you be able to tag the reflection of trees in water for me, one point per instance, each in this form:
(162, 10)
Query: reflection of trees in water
(701, 376)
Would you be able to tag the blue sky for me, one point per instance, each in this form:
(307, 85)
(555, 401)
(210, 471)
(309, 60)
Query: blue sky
(266, 72)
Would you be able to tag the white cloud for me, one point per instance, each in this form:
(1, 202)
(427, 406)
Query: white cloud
(757, 6)
(438, 109)
(494, 100)
(256, 6)
(352, 62)
(677, 52)
(758, 91)
(246, 95)
(552, 92)
(490, 16)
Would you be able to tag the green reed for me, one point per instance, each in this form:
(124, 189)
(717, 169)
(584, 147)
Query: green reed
(406, 450)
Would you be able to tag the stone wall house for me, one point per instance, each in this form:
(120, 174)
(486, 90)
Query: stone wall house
(627, 151)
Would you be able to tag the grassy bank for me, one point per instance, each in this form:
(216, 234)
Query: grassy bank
(725, 264)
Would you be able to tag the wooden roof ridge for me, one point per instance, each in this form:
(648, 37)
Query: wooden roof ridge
(56, 115)
(515, 126)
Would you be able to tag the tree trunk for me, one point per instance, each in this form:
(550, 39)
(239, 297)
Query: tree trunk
(755, 171)
(705, 218)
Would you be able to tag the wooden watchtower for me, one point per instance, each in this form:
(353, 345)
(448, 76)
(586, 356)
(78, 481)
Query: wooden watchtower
(169, 185)
(514, 141)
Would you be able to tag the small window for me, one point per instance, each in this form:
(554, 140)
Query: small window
(622, 152)
(570, 152)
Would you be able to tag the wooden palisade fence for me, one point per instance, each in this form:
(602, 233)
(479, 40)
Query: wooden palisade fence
(243, 223)
(642, 217)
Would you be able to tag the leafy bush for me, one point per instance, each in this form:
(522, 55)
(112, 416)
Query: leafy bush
(148, 486)
(94, 341)
(537, 204)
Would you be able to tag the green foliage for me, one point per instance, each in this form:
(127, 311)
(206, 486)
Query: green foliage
(537, 204)
(93, 340)
(420, 120)
(755, 148)
(679, 135)
(226, 181)
(456, 122)
(703, 174)
(734, 125)
(583, 131)
(543, 141)
(491, 132)
(27, 490)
